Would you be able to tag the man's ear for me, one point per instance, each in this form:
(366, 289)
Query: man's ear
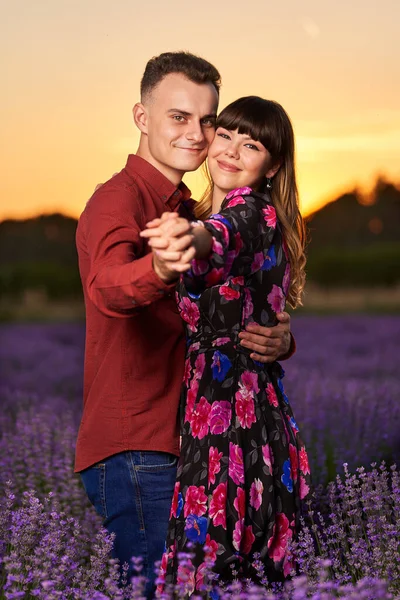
(140, 117)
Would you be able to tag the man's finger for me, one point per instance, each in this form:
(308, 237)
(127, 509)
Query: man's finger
(189, 255)
(181, 243)
(283, 317)
(262, 358)
(167, 255)
(159, 243)
(260, 348)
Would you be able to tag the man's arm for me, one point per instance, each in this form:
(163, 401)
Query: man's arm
(270, 343)
(121, 278)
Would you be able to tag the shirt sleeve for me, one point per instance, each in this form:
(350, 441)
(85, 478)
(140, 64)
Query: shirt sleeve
(121, 277)
(240, 238)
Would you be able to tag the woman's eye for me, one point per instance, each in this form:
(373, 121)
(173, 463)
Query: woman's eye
(224, 135)
(252, 147)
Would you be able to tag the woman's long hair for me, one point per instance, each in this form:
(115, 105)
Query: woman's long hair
(267, 122)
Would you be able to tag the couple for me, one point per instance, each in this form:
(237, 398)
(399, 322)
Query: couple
(243, 467)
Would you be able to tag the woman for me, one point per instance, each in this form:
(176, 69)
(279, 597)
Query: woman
(243, 468)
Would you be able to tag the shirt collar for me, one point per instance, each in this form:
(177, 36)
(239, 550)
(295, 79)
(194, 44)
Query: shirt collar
(168, 192)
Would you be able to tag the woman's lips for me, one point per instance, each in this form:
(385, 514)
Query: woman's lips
(227, 167)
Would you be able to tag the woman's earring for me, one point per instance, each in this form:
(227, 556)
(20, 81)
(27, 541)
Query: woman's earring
(268, 185)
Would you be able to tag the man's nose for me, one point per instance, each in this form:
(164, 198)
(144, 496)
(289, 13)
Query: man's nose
(195, 132)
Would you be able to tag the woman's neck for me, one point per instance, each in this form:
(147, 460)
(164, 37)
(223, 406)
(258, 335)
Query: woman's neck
(218, 196)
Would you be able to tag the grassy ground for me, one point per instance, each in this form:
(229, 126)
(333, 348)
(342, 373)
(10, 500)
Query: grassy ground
(35, 306)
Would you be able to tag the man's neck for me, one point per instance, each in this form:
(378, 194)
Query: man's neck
(174, 176)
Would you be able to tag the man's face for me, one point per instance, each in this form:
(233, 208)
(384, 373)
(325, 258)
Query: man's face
(180, 123)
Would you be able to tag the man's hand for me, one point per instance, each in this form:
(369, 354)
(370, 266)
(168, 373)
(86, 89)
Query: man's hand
(171, 240)
(268, 343)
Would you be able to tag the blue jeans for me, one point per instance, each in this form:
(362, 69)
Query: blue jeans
(132, 492)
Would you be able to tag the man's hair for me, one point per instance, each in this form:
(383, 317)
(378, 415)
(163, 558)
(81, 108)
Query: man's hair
(192, 67)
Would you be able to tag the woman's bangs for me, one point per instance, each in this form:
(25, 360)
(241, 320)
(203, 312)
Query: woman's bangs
(248, 120)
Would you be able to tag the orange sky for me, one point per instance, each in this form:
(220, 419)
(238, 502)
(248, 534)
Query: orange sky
(71, 72)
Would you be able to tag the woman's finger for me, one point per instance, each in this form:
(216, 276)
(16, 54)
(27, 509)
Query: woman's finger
(181, 243)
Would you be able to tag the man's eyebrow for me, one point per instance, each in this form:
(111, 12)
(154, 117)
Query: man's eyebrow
(181, 112)
(188, 114)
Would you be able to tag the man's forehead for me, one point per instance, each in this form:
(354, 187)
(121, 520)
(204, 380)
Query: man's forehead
(176, 91)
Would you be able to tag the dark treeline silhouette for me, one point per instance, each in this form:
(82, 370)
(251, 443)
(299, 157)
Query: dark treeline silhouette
(354, 241)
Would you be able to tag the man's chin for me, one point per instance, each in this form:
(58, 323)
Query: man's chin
(189, 165)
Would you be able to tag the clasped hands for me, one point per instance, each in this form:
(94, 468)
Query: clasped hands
(175, 242)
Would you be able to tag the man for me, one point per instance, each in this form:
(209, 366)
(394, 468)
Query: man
(128, 440)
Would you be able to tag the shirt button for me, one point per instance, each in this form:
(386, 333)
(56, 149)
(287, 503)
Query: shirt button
(133, 302)
(164, 197)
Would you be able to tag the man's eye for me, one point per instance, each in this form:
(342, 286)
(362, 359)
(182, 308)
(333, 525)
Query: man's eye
(209, 122)
(178, 118)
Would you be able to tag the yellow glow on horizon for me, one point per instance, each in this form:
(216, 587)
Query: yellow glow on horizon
(72, 73)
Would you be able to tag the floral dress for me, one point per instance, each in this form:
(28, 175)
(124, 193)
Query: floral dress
(243, 468)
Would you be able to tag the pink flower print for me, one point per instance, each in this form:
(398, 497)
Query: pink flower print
(238, 243)
(286, 280)
(199, 267)
(220, 416)
(243, 191)
(276, 299)
(268, 457)
(304, 465)
(217, 510)
(221, 341)
(258, 261)
(230, 257)
(235, 201)
(249, 381)
(221, 228)
(210, 548)
(217, 247)
(237, 280)
(194, 347)
(237, 534)
(200, 573)
(214, 277)
(191, 399)
(199, 366)
(235, 465)
(256, 492)
(187, 371)
(248, 304)
(189, 313)
(229, 293)
(240, 502)
(278, 542)
(200, 418)
(174, 504)
(294, 461)
(304, 488)
(244, 407)
(271, 395)
(195, 501)
(185, 576)
(243, 537)
(270, 216)
(214, 465)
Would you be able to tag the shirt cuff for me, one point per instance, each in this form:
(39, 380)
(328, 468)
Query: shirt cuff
(148, 283)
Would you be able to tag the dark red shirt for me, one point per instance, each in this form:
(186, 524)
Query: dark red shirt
(134, 354)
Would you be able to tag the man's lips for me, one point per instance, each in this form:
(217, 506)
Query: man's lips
(195, 150)
(227, 167)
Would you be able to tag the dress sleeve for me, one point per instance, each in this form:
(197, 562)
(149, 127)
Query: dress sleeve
(242, 234)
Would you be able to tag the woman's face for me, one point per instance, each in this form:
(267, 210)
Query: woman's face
(235, 160)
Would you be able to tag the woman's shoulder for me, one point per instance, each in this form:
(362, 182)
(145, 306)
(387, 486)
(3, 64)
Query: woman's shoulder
(244, 195)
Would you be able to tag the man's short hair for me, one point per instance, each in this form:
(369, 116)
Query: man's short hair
(192, 67)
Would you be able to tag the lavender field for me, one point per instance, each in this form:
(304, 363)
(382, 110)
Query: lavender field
(344, 386)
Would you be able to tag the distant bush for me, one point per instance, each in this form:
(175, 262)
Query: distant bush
(374, 265)
(57, 281)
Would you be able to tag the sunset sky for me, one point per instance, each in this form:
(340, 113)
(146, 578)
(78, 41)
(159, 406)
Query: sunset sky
(71, 69)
